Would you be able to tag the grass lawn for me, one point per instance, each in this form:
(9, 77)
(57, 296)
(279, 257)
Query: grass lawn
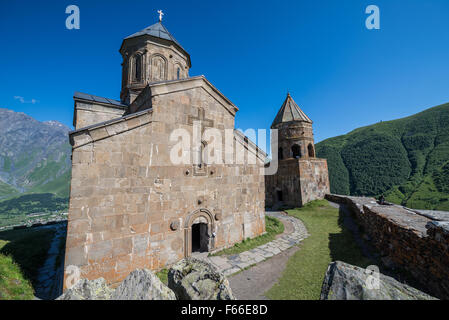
(273, 227)
(13, 285)
(22, 253)
(163, 276)
(328, 241)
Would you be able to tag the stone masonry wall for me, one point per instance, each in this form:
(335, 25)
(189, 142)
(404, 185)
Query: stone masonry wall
(314, 179)
(286, 180)
(131, 208)
(300, 180)
(87, 114)
(406, 239)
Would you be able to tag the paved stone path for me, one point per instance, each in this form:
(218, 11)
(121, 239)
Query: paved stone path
(254, 282)
(230, 264)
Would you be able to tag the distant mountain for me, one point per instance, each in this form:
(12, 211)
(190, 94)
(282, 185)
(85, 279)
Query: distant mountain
(34, 156)
(405, 159)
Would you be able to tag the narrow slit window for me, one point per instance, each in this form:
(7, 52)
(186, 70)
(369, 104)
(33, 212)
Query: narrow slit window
(138, 68)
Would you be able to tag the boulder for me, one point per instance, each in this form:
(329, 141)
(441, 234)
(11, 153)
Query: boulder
(346, 282)
(88, 290)
(194, 279)
(142, 285)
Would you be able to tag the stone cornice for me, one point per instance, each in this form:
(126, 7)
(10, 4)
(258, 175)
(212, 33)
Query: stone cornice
(170, 86)
(102, 130)
(249, 145)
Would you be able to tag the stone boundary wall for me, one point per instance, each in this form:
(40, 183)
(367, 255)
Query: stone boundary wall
(409, 239)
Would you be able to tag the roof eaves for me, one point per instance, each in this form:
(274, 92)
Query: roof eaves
(79, 96)
(108, 122)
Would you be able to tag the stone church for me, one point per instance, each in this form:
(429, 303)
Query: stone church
(130, 206)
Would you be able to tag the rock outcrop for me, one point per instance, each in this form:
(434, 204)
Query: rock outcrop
(193, 279)
(346, 282)
(142, 284)
(189, 279)
(88, 290)
(139, 285)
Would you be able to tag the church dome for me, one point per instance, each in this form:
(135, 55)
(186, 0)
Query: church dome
(151, 55)
(158, 30)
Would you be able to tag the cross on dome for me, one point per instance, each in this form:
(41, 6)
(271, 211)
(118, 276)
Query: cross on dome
(161, 14)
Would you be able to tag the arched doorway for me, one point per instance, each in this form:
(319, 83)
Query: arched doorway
(199, 228)
(311, 151)
(200, 237)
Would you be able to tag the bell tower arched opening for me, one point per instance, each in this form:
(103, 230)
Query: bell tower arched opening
(311, 151)
(296, 151)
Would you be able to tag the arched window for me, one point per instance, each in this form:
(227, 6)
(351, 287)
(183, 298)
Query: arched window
(137, 68)
(280, 154)
(311, 151)
(158, 68)
(178, 73)
(296, 151)
(202, 156)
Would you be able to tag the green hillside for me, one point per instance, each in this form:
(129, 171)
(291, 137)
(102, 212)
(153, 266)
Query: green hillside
(34, 167)
(34, 156)
(405, 159)
(6, 190)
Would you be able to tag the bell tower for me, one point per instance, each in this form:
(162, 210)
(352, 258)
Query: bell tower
(295, 132)
(151, 55)
(300, 176)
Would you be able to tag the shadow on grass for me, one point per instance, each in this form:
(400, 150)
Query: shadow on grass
(28, 248)
(348, 245)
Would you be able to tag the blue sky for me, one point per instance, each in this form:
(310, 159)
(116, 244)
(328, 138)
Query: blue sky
(341, 74)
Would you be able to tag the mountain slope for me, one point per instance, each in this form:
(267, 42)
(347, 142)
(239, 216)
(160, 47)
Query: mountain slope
(406, 159)
(34, 156)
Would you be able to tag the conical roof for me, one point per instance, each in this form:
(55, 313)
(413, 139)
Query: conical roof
(158, 30)
(290, 111)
